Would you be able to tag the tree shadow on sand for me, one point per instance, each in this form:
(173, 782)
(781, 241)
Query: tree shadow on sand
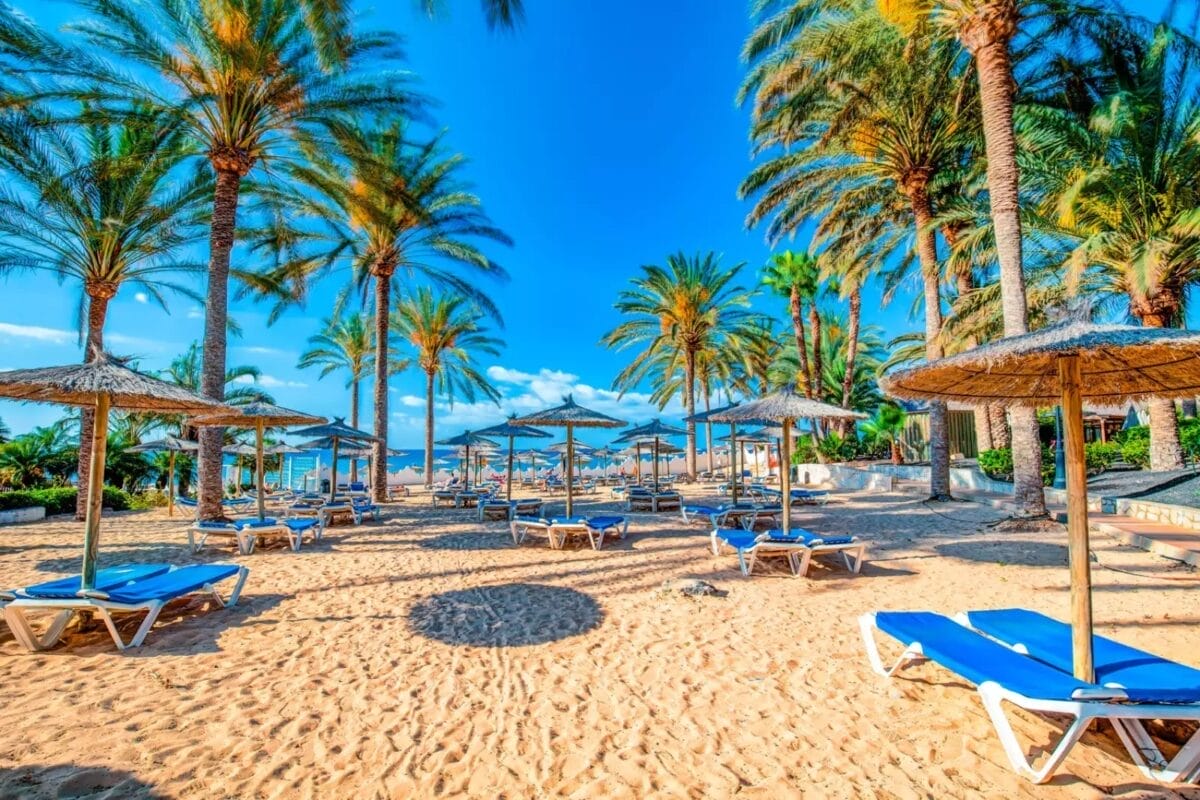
(1024, 552)
(505, 615)
(75, 780)
(471, 540)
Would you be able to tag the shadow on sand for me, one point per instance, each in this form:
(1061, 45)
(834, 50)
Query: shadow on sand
(505, 615)
(74, 780)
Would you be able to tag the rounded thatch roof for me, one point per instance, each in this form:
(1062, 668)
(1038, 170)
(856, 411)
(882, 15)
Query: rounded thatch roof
(166, 443)
(247, 416)
(468, 439)
(337, 429)
(778, 406)
(239, 449)
(581, 449)
(654, 428)
(511, 428)
(283, 449)
(1117, 363)
(569, 413)
(366, 452)
(83, 384)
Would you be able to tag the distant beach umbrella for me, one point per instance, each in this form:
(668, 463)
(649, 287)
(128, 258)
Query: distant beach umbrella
(337, 432)
(513, 431)
(653, 431)
(569, 415)
(170, 445)
(785, 407)
(283, 451)
(258, 416)
(102, 383)
(1064, 365)
(735, 473)
(466, 440)
(604, 453)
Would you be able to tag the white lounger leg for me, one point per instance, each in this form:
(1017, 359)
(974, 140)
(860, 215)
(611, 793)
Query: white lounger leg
(866, 624)
(854, 557)
(196, 540)
(23, 632)
(993, 697)
(1184, 768)
(800, 562)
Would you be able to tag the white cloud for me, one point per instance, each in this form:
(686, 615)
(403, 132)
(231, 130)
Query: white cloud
(271, 382)
(37, 333)
(142, 297)
(256, 350)
(195, 312)
(412, 401)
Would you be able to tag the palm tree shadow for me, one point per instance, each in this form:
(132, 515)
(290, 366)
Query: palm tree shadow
(471, 540)
(505, 615)
(75, 780)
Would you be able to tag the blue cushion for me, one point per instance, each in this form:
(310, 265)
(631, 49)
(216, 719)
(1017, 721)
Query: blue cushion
(737, 538)
(300, 524)
(1145, 677)
(600, 523)
(568, 521)
(977, 658)
(807, 537)
(267, 522)
(175, 583)
(106, 579)
(711, 511)
(217, 526)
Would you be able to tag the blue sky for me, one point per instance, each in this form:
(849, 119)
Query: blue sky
(602, 136)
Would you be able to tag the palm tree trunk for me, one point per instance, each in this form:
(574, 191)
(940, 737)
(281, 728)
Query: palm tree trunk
(708, 440)
(383, 307)
(916, 188)
(690, 405)
(216, 318)
(796, 307)
(818, 368)
(354, 424)
(429, 429)
(986, 34)
(851, 353)
(1166, 450)
(99, 295)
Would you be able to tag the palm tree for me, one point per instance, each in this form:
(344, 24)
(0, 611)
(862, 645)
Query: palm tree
(1118, 187)
(102, 205)
(887, 427)
(796, 277)
(346, 343)
(246, 78)
(447, 336)
(879, 121)
(753, 351)
(187, 370)
(685, 307)
(394, 209)
(5, 432)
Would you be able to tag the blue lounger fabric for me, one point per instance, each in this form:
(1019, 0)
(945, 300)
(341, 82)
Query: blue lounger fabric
(601, 523)
(175, 583)
(1146, 678)
(977, 658)
(107, 579)
(806, 537)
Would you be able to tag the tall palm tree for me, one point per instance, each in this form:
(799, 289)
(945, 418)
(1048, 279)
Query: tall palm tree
(346, 343)
(447, 336)
(877, 121)
(5, 432)
(687, 306)
(187, 370)
(393, 210)
(103, 205)
(753, 351)
(246, 78)
(796, 277)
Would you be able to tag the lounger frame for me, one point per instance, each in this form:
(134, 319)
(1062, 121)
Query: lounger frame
(18, 621)
(1126, 718)
(799, 555)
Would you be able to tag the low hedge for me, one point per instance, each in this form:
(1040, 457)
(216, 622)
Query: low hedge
(61, 500)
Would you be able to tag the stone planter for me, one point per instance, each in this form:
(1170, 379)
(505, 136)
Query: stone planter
(16, 515)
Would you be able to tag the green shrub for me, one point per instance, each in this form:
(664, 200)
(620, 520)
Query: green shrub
(1136, 433)
(1189, 437)
(1101, 455)
(61, 500)
(997, 464)
(1136, 452)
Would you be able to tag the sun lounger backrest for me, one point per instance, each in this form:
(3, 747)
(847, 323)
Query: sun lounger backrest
(175, 583)
(977, 658)
(106, 579)
(1145, 677)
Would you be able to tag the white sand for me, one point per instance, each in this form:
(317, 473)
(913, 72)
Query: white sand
(427, 656)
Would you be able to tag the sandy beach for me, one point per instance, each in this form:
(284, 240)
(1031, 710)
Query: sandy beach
(426, 656)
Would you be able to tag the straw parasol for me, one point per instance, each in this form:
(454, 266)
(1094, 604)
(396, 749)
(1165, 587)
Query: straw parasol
(170, 445)
(513, 431)
(355, 453)
(604, 453)
(652, 431)
(336, 431)
(711, 416)
(101, 383)
(258, 416)
(570, 415)
(283, 450)
(1064, 365)
(467, 440)
(785, 407)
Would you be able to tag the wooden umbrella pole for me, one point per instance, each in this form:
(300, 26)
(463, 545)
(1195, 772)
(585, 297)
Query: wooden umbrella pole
(95, 499)
(570, 457)
(733, 470)
(469, 466)
(171, 483)
(508, 480)
(656, 463)
(785, 475)
(1077, 518)
(333, 472)
(637, 467)
(258, 468)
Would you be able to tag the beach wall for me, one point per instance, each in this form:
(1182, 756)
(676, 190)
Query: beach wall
(960, 477)
(840, 476)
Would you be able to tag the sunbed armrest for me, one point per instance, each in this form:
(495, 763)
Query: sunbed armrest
(1101, 694)
(93, 594)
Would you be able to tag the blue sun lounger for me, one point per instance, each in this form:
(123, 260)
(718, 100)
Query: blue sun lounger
(247, 532)
(798, 545)
(1002, 674)
(559, 529)
(150, 594)
(106, 579)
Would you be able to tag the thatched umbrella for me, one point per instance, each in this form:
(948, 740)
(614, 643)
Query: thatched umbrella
(710, 416)
(337, 432)
(1064, 365)
(513, 431)
(467, 440)
(283, 450)
(785, 407)
(604, 453)
(356, 453)
(652, 431)
(170, 445)
(258, 416)
(571, 416)
(101, 383)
